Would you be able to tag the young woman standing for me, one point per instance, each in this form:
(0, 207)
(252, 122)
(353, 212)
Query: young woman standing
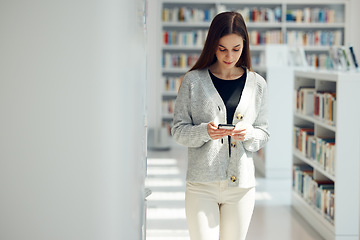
(221, 89)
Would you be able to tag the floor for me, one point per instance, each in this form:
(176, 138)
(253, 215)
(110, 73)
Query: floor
(273, 216)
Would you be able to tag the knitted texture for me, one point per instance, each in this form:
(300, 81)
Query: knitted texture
(199, 103)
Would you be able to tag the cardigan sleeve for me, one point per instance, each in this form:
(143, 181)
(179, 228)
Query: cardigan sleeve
(258, 133)
(184, 131)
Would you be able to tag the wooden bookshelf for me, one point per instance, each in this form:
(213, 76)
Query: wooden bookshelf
(345, 224)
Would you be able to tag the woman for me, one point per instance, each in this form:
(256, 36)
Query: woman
(221, 89)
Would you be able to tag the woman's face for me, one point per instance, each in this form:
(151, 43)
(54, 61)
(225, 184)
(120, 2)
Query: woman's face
(229, 50)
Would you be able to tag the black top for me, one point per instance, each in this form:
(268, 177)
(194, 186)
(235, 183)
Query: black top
(230, 92)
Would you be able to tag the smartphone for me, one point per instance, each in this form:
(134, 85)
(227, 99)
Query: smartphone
(226, 126)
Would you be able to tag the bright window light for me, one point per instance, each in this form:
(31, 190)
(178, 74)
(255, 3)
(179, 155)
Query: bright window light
(167, 196)
(165, 213)
(164, 182)
(161, 161)
(163, 171)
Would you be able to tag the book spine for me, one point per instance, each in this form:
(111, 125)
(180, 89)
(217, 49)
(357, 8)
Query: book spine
(353, 57)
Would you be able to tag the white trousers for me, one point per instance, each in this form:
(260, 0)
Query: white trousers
(215, 211)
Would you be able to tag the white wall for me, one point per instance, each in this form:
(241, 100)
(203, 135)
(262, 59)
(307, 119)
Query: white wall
(154, 90)
(72, 76)
(354, 30)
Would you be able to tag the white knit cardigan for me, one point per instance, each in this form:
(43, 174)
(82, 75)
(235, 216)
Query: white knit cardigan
(199, 103)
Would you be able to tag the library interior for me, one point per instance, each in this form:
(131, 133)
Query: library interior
(88, 94)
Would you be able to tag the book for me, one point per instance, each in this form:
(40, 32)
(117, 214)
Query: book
(330, 158)
(308, 176)
(346, 57)
(312, 148)
(305, 133)
(307, 100)
(353, 57)
(300, 136)
(298, 176)
(317, 186)
(321, 193)
(325, 106)
(321, 150)
(343, 63)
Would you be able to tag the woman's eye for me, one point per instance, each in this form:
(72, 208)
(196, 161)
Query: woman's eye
(236, 50)
(222, 50)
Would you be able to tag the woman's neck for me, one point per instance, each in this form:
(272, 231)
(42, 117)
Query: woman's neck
(226, 74)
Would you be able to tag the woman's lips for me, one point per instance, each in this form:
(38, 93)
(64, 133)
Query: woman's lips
(227, 62)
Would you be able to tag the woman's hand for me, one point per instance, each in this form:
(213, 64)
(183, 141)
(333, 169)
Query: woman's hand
(239, 132)
(216, 133)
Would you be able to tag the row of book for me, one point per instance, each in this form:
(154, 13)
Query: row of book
(179, 60)
(168, 106)
(172, 84)
(343, 58)
(258, 14)
(261, 14)
(340, 58)
(187, 14)
(319, 104)
(320, 150)
(197, 38)
(325, 107)
(293, 38)
(265, 37)
(317, 193)
(255, 14)
(312, 15)
(320, 61)
(314, 38)
(191, 38)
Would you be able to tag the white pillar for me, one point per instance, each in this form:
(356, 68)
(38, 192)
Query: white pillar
(72, 135)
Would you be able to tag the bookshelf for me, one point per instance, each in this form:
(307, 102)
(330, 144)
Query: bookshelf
(273, 160)
(325, 152)
(268, 22)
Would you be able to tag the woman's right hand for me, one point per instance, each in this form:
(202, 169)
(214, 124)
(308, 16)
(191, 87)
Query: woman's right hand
(216, 133)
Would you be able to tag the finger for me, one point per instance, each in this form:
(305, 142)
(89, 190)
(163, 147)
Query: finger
(212, 124)
(215, 133)
(239, 133)
(210, 128)
(239, 130)
(219, 135)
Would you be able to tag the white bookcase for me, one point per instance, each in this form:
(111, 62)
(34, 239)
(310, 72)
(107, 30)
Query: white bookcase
(345, 130)
(275, 29)
(273, 160)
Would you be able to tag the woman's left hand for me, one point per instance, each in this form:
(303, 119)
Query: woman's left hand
(239, 132)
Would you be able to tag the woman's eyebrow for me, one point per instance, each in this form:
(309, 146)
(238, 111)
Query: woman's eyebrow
(234, 46)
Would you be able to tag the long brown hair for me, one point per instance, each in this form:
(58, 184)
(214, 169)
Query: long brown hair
(223, 24)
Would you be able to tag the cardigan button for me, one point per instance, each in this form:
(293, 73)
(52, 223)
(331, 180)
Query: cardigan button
(233, 178)
(233, 144)
(239, 116)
